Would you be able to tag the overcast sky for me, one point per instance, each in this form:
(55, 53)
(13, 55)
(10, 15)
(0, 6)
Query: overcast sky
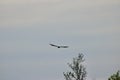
(91, 27)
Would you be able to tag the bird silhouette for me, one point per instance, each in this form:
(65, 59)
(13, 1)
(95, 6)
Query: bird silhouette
(59, 46)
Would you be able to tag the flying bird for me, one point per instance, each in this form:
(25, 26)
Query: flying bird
(59, 46)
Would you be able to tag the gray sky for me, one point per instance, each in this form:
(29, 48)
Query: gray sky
(91, 27)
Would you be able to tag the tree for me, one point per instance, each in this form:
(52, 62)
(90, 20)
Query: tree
(78, 70)
(115, 76)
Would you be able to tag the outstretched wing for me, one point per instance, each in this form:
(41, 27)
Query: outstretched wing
(63, 46)
(54, 45)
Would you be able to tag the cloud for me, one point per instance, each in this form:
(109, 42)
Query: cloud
(54, 11)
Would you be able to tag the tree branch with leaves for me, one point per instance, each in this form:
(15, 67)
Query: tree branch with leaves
(78, 69)
(115, 76)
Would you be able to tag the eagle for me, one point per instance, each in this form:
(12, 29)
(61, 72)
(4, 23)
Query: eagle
(59, 46)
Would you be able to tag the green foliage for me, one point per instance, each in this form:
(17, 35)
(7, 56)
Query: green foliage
(115, 76)
(78, 70)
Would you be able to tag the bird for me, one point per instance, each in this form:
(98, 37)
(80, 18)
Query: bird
(59, 46)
